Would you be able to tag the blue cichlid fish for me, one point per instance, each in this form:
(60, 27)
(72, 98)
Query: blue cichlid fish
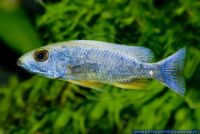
(94, 63)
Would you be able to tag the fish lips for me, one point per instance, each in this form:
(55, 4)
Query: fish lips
(21, 64)
(35, 70)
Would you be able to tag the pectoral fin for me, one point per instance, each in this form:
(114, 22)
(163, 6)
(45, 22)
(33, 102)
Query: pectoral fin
(86, 69)
(134, 84)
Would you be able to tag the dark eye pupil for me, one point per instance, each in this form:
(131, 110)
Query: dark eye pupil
(40, 56)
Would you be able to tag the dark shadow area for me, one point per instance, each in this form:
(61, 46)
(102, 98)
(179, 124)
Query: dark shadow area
(8, 60)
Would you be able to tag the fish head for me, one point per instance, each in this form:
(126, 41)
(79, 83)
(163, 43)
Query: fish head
(49, 61)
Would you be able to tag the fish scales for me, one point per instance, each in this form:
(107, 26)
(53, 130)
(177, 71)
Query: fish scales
(86, 62)
(117, 67)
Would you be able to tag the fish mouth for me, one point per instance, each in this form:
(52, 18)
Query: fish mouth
(21, 64)
(32, 70)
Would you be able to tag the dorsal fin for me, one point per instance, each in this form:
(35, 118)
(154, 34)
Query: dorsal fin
(141, 54)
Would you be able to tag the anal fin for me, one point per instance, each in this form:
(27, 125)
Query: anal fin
(89, 84)
(134, 84)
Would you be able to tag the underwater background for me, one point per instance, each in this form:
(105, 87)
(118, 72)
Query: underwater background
(30, 104)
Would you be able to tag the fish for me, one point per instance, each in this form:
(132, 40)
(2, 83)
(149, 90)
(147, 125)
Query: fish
(92, 64)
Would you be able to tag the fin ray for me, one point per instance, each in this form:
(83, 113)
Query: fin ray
(89, 84)
(134, 84)
(171, 72)
(142, 54)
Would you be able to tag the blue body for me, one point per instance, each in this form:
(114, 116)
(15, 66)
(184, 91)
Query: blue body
(106, 63)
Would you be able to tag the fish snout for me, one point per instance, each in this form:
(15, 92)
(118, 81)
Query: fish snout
(19, 63)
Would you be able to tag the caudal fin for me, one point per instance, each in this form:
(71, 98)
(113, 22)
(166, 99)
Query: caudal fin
(171, 71)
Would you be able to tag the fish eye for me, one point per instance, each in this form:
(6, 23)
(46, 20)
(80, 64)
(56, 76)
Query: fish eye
(41, 55)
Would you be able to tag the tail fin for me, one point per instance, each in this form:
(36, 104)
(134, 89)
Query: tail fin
(171, 71)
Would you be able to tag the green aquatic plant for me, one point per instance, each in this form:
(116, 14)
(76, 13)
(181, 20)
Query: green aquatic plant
(40, 105)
